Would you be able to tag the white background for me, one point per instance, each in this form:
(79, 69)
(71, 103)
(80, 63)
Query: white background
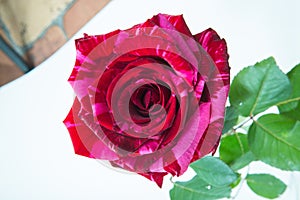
(37, 158)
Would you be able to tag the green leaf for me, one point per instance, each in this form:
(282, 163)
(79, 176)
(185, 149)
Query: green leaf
(258, 87)
(231, 118)
(234, 151)
(243, 161)
(197, 189)
(214, 171)
(275, 139)
(265, 185)
(295, 113)
(232, 147)
(291, 106)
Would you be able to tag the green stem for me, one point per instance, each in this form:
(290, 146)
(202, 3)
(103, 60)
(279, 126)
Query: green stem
(240, 125)
(241, 184)
(171, 179)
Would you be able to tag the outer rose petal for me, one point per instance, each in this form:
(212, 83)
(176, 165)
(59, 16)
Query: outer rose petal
(84, 46)
(157, 177)
(85, 142)
(217, 49)
(78, 145)
(172, 22)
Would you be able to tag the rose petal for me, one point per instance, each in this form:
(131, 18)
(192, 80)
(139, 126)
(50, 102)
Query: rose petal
(172, 22)
(157, 177)
(217, 49)
(183, 159)
(85, 142)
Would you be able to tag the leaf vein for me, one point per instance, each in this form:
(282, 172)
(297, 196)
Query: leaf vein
(190, 189)
(288, 101)
(276, 137)
(259, 92)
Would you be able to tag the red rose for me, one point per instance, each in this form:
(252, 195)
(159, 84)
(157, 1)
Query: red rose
(149, 99)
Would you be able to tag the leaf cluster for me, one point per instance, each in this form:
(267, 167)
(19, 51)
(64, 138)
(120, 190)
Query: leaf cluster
(251, 133)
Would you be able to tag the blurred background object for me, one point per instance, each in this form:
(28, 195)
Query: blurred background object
(32, 30)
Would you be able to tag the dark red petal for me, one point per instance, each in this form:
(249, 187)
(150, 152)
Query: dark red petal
(86, 44)
(79, 147)
(157, 177)
(217, 49)
(199, 126)
(166, 44)
(174, 167)
(172, 23)
(85, 142)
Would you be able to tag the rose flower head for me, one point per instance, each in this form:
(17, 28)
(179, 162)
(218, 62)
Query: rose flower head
(149, 99)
